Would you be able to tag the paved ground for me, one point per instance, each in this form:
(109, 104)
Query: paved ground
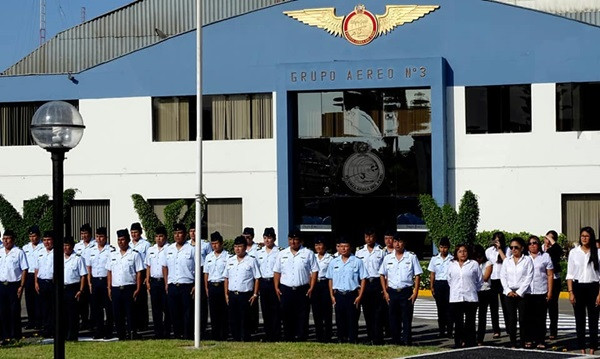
(498, 353)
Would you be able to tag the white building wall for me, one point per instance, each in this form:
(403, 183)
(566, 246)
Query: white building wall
(117, 158)
(519, 177)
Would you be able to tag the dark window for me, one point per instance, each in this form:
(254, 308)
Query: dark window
(577, 107)
(15, 119)
(224, 117)
(498, 109)
(94, 212)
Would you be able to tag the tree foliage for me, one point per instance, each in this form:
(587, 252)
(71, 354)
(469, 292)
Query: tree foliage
(459, 227)
(178, 211)
(37, 210)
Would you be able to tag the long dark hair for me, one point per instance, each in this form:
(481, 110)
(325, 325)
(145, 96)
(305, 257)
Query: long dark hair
(502, 240)
(593, 249)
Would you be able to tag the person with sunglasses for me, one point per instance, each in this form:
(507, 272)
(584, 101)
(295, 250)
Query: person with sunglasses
(516, 276)
(538, 297)
(582, 283)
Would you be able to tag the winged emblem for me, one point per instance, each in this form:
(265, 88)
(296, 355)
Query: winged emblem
(360, 26)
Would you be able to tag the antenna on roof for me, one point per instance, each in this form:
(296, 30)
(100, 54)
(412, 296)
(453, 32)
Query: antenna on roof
(42, 21)
(83, 14)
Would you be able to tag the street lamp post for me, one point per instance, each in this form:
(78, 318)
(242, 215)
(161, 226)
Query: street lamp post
(57, 127)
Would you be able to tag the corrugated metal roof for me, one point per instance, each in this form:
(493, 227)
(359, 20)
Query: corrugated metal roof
(129, 28)
(581, 10)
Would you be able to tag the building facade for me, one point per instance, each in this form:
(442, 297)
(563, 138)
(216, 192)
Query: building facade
(329, 133)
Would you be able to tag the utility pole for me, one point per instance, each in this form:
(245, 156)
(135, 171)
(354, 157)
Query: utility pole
(82, 14)
(42, 22)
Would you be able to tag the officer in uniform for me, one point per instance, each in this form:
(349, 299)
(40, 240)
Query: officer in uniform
(295, 274)
(372, 302)
(400, 278)
(13, 275)
(214, 285)
(32, 301)
(74, 282)
(205, 249)
(44, 284)
(85, 243)
(252, 248)
(178, 264)
(346, 275)
(124, 279)
(155, 284)
(241, 289)
(321, 298)
(269, 302)
(140, 307)
(438, 283)
(96, 260)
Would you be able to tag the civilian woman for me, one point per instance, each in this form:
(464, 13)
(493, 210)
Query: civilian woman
(516, 276)
(582, 282)
(485, 294)
(496, 254)
(540, 294)
(555, 252)
(464, 279)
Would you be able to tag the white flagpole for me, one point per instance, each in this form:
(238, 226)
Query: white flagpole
(198, 281)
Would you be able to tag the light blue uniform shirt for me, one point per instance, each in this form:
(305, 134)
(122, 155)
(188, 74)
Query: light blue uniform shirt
(124, 267)
(400, 273)
(372, 260)
(346, 276)
(141, 247)
(266, 261)
(81, 249)
(241, 274)
(12, 264)
(153, 260)
(205, 249)
(45, 264)
(215, 266)
(74, 268)
(180, 263)
(96, 259)
(439, 266)
(323, 264)
(33, 253)
(295, 269)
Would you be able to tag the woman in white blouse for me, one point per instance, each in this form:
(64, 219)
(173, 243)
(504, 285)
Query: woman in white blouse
(516, 276)
(464, 280)
(539, 295)
(496, 253)
(582, 282)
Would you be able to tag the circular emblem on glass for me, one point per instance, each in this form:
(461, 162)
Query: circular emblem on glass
(360, 26)
(363, 172)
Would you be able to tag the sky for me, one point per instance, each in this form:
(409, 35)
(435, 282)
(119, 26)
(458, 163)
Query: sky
(20, 23)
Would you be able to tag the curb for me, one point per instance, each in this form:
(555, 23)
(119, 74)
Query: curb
(427, 293)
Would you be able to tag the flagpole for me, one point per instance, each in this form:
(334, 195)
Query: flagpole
(198, 280)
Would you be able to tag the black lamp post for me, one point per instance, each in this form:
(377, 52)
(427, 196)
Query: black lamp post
(57, 127)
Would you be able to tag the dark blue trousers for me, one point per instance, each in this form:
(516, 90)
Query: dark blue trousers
(322, 310)
(181, 307)
(47, 299)
(218, 311)
(161, 317)
(240, 315)
(372, 305)
(295, 307)
(32, 303)
(401, 314)
(585, 301)
(71, 315)
(346, 316)
(442, 302)
(122, 300)
(270, 310)
(10, 310)
(101, 305)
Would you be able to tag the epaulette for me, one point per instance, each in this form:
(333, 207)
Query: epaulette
(381, 247)
(135, 250)
(78, 255)
(112, 248)
(232, 255)
(252, 255)
(361, 247)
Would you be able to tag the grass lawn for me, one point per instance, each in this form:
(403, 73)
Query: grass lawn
(181, 349)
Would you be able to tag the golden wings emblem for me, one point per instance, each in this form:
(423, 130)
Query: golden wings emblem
(360, 26)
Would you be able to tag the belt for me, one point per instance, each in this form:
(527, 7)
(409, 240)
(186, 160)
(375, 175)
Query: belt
(344, 292)
(267, 279)
(71, 285)
(236, 292)
(390, 289)
(180, 284)
(322, 279)
(44, 280)
(10, 283)
(121, 287)
(216, 284)
(296, 287)
(152, 279)
(99, 278)
(372, 279)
